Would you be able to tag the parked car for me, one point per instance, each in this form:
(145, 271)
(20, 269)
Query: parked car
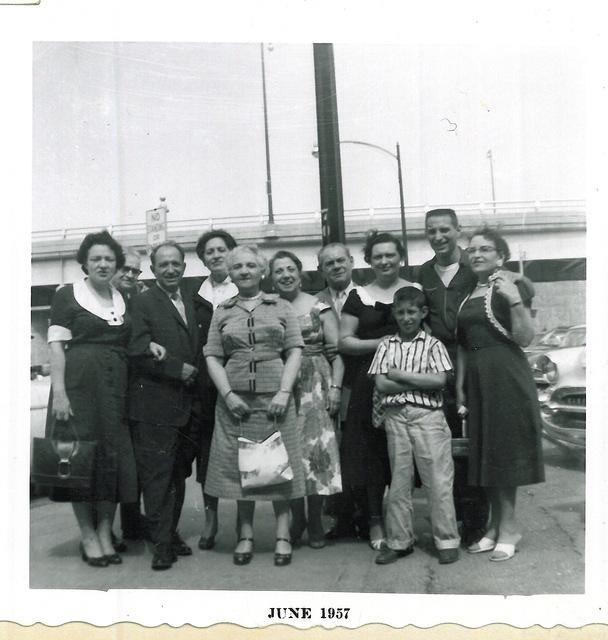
(558, 338)
(39, 398)
(560, 376)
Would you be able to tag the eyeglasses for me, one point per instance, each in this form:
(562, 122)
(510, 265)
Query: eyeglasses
(483, 250)
(135, 272)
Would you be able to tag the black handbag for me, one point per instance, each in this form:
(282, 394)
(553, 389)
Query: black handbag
(61, 463)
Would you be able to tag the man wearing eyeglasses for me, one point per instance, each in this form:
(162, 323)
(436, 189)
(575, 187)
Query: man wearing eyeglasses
(126, 281)
(126, 278)
(447, 279)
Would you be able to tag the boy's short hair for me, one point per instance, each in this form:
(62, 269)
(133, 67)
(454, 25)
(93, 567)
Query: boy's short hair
(411, 295)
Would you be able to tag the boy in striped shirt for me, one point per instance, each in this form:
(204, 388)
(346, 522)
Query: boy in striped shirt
(410, 369)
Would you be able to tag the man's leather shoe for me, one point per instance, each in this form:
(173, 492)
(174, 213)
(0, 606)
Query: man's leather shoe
(164, 557)
(388, 556)
(179, 546)
(447, 556)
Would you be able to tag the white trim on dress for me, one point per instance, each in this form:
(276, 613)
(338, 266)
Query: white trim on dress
(113, 315)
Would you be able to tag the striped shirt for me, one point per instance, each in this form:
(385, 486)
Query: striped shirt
(424, 354)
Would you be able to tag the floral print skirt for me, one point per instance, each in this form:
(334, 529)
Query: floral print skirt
(316, 427)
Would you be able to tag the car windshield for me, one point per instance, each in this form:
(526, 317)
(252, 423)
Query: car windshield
(576, 338)
(553, 338)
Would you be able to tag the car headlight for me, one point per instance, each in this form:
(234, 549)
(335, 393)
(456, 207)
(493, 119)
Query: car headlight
(547, 368)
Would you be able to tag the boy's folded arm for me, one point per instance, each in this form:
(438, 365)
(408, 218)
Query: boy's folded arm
(386, 386)
(422, 381)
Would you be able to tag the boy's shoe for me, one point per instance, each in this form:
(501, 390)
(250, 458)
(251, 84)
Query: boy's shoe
(388, 556)
(447, 556)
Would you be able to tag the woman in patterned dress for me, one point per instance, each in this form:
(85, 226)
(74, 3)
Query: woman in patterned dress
(253, 354)
(317, 394)
(88, 336)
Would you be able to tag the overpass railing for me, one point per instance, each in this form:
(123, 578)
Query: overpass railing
(369, 215)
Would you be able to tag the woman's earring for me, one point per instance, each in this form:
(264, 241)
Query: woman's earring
(500, 262)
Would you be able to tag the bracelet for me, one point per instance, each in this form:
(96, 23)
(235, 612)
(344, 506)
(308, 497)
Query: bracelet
(514, 304)
(228, 393)
(335, 386)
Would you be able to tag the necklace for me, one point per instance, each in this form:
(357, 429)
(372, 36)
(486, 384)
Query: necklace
(255, 297)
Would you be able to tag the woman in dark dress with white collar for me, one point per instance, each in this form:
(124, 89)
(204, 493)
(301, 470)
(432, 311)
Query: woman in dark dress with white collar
(87, 337)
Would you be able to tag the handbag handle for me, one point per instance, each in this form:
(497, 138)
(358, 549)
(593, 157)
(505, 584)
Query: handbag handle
(274, 420)
(70, 425)
(64, 449)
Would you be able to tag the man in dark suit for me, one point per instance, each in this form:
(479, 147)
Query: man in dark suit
(162, 403)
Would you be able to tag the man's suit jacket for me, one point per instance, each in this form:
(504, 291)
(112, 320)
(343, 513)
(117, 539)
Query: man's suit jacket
(157, 394)
(325, 296)
(204, 312)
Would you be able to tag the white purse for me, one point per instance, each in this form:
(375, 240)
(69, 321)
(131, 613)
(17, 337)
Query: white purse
(265, 463)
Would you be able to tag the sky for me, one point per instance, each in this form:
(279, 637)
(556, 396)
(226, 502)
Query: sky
(118, 124)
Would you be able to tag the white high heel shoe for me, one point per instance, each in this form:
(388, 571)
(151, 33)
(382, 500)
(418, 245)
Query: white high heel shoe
(485, 544)
(505, 550)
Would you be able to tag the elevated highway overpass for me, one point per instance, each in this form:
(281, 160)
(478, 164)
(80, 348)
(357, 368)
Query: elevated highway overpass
(535, 230)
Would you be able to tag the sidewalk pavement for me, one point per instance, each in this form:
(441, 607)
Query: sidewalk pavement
(551, 559)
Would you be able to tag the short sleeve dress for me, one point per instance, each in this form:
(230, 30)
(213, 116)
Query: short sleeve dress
(316, 427)
(252, 344)
(505, 448)
(95, 339)
(364, 450)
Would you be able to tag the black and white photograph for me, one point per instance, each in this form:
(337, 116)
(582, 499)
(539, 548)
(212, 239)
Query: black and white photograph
(309, 323)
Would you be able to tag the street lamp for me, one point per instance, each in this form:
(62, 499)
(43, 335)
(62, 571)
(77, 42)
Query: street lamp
(268, 181)
(396, 156)
(491, 159)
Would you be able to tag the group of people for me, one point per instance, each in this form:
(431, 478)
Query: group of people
(367, 386)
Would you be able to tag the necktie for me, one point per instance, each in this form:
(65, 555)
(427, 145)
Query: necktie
(339, 303)
(178, 303)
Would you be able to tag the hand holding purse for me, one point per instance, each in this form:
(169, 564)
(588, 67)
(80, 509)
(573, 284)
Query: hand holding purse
(265, 463)
(63, 463)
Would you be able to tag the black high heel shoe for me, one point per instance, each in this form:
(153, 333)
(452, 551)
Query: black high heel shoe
(114, 558)
(243, 558)
(282, 559)
(208, 542)
(93, 562)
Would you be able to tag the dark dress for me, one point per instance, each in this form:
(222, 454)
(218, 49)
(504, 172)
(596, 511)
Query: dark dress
(96, 386)
(505, 448)
(363, 450)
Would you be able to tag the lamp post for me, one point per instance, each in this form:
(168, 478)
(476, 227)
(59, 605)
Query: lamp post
(396, 156)
(268, 180)
(491, 159)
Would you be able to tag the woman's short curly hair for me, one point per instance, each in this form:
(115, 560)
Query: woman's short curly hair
(260, 258)
(493, 235)
(374, 237)
(286, 254)
(209, 235)
(103, 238)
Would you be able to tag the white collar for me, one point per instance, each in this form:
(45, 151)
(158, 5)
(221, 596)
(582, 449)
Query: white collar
(113, 315)
(218, 293)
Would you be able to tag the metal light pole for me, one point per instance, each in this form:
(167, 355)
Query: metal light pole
(268, 180)
(397, 157)
(490, 158)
